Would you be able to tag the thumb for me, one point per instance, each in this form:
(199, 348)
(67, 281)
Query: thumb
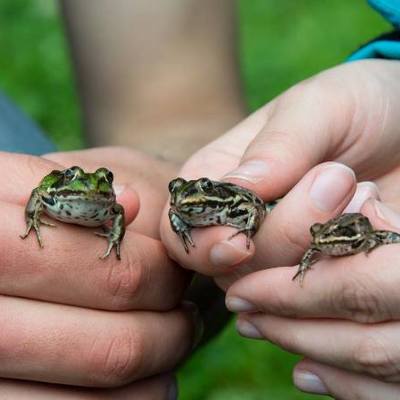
(305, 126)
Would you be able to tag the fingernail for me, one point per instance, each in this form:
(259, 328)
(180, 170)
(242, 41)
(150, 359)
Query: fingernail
(308, 382)
(173, 391)
(247, 329)
(253, 171)
(197, 320)
(331, 186)
(118, 189)
(387, 214)
(229, 252)
(235, 304)
(365, 191)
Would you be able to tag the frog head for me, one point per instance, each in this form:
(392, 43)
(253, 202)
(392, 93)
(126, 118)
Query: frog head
(75, 180)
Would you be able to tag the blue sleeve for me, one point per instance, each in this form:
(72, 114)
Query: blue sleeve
(387, 45)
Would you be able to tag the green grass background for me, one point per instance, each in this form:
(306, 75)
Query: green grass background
(281, 42)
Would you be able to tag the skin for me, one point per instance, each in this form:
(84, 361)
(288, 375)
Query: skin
(97, 323)
(121, 107)
(156, 99)
(355, 121)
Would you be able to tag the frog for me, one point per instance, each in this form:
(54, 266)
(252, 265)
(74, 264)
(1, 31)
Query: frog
(78, 197)
(347, 234)
(203, 202)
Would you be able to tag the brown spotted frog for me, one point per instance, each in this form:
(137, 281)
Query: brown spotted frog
(203, 202)
(344, 235)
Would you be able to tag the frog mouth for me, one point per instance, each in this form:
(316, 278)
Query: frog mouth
(65, 194)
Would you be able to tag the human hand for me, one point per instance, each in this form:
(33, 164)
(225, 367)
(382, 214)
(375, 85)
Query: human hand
(71, 318)
(348, 114)
(344, 320)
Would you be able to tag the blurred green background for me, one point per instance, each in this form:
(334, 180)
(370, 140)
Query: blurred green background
(281, 42)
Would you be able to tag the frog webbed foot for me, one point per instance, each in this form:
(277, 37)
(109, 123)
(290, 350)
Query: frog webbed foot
(115, 233)
(305, 265)
(186, 239)
(182, 229)
(35, 224)
(33, 212)
(112, 242)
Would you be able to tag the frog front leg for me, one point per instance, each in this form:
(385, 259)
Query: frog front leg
(182, 229)
(305, 264)
(255, 216)
(33, 212)
(116, 233)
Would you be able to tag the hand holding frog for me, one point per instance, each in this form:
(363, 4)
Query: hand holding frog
(349, 114)
(100, 318)
(345, 319)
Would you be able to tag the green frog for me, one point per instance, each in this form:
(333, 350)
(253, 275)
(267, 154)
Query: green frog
(347, 234)
(204, 202)
(78, 197)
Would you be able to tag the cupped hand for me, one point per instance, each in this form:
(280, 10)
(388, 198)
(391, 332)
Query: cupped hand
(299, 145)
(69, 317)
(345, 319)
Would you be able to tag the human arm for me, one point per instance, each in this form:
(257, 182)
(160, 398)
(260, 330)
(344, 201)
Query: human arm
(159, 77)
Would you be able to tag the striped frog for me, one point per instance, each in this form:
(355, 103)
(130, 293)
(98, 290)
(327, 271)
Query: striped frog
(203, 202)
(349, 233)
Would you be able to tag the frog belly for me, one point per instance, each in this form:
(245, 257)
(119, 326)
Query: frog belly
(342, 250)
(81, 212)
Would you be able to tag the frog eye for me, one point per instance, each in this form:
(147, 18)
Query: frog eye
(106, 174)
(206, 184)
(110, 177)
(315, 228)
(175, 184)
(72, 173)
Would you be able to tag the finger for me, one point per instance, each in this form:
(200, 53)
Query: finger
(68, 269)
(312, 377)
(74, 346)
(365, 191)
(159, 387)
(291, 143)
(355, 347)
(322, 193)
(357, 288)
(27, 171)
(340, 129)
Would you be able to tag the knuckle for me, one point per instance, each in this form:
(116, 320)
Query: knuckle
(373, 356)
(116, 359)
(125, 282)
(361, 299)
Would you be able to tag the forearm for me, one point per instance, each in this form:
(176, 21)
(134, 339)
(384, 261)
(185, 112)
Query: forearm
(159, 76)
